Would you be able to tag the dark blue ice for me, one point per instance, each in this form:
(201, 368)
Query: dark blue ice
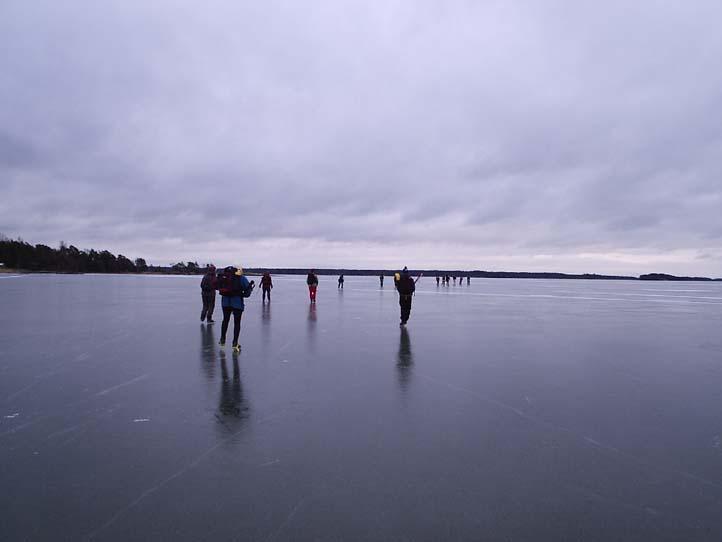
(507, 410)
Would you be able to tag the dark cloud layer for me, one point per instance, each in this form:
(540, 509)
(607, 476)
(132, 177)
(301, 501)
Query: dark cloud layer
(572, 136)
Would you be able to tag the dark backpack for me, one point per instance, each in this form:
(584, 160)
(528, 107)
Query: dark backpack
(229, 284)
(406, 285)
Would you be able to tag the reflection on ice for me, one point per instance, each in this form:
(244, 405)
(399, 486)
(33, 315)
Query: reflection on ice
(231, 403)
(208, 351)
(405, 358)
(484, 446)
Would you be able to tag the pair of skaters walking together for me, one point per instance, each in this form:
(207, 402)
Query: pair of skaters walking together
(234, 287)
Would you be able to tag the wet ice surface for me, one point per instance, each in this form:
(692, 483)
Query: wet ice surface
(508, 410)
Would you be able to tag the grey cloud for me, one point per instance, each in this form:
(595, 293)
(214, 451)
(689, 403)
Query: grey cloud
(518, 128)
(15, 153)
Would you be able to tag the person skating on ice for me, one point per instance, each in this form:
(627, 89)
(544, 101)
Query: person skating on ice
(266, 285)
(312, 282)
(233, 287)
(406, 286)
(208, 294)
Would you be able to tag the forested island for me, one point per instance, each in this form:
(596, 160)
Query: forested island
(21, 256)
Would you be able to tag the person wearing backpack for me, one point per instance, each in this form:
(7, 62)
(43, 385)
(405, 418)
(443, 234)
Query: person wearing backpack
(233, 287)
(266, 285)
(406, 286)
(208, 294)
(312, 282)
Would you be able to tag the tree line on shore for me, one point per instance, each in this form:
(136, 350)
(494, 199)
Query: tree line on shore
(19, 254)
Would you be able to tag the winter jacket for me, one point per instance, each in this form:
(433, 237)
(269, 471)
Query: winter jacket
(208, 283)
(236, 301)
(266, 281)
(406, 285)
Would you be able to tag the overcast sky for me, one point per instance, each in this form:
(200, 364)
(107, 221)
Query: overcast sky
(505, 135)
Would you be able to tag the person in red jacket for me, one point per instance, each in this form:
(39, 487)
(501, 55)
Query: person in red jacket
(312, 282)
(266, 285)
(208, 294)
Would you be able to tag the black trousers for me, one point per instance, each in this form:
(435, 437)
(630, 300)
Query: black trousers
(237, 313)
(209, 303)
(405, 304)
(266, 292)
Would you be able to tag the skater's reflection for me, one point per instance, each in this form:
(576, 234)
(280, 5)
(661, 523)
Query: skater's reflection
(311, 327)
(208, 351)
(266, 314)
(265, 323)
(405, 359)
(231, 404)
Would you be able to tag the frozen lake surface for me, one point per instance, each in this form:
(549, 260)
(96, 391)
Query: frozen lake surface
(520, 410)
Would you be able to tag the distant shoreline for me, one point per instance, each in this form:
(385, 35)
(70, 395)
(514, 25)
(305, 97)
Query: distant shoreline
(663, 277)
(18, 256)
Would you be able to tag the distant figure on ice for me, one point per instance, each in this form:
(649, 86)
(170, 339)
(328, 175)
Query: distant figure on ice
(468, 280)
(312, 282)
(437, 280)
(233, 287)
(340, 281)
(381, 279)
(208, 294)
(454, 279)
(406, 287)
(266, 285)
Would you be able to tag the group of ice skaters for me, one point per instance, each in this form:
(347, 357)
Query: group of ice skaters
(234, 287)
(444, 280)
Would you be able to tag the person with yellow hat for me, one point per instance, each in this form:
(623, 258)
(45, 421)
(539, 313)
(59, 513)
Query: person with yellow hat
(233, 287)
